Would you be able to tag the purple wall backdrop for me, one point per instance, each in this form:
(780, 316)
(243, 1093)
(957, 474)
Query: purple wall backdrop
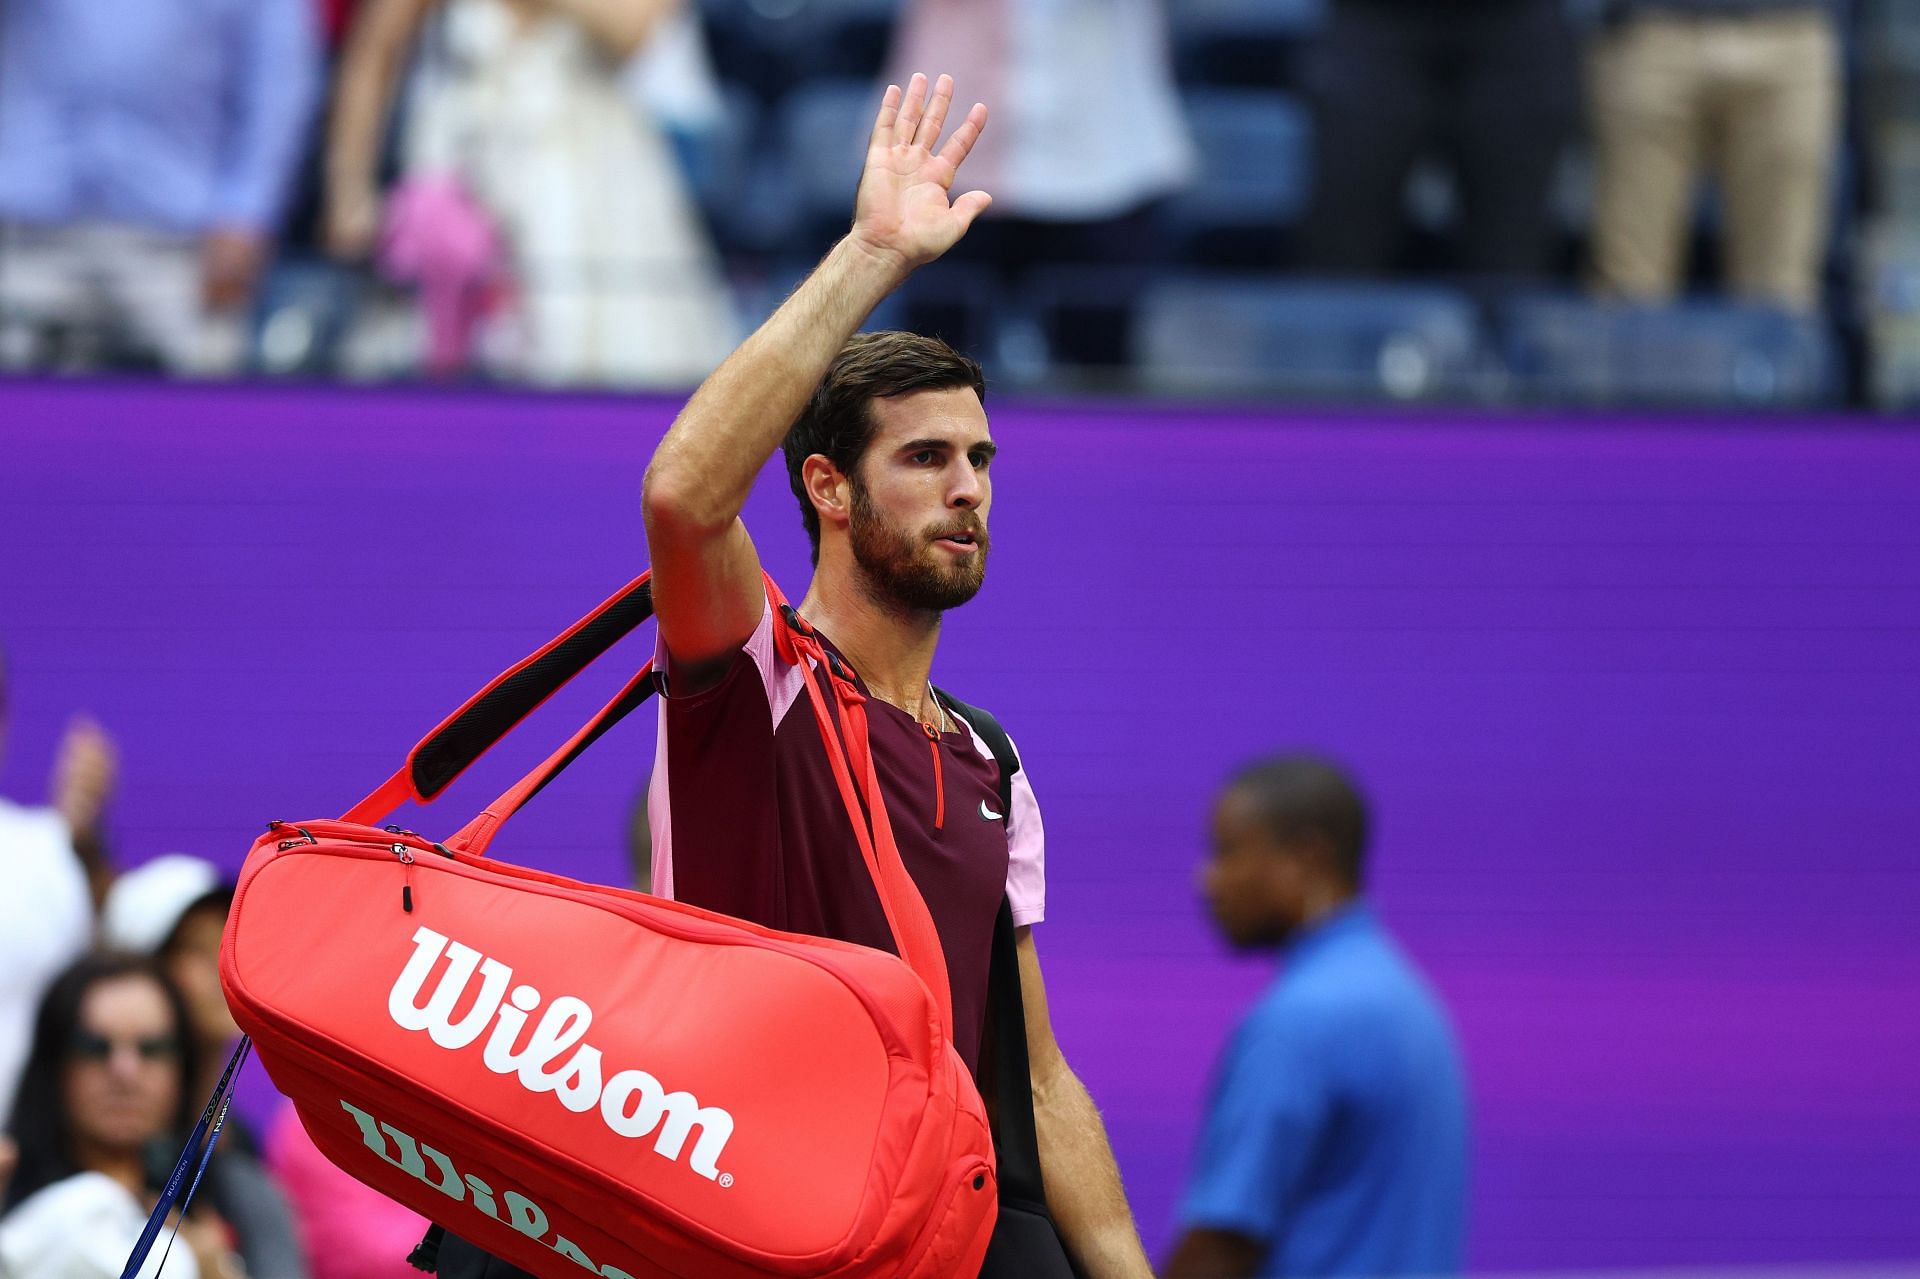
(1639, 704)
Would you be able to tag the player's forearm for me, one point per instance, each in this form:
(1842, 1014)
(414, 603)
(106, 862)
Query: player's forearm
(704, 468)
(1083, 1181)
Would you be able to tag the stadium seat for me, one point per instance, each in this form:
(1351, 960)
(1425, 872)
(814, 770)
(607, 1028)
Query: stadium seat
(824, 129)
(1244, 43)
(1211, 335)
(849, 38)
(774, 46)
(1083, 315)
(1893, 34)
(1252, 183)
(1701, 352)
(720, 164)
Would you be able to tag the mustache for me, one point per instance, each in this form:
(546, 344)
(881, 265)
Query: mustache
(972, 526)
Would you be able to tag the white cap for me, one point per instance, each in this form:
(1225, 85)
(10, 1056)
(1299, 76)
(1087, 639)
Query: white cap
(144, 906)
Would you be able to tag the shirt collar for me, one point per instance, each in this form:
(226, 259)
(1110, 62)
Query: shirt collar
(1347, 919)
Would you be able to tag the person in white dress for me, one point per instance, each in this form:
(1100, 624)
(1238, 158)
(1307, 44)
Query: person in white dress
(608, 275)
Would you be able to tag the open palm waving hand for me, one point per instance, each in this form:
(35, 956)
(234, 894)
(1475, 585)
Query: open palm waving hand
(904, 210)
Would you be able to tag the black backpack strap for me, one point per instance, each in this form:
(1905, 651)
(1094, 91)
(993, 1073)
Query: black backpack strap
(998, 743)
(1005, 1072)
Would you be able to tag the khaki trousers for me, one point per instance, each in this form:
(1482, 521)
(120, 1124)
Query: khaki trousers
(1753, 100)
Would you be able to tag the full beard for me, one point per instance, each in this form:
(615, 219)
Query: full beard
(903, 571)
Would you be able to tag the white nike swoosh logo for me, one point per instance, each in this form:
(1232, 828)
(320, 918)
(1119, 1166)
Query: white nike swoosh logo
(987, 814)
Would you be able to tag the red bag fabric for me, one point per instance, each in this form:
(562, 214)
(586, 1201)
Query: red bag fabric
(585, 1080)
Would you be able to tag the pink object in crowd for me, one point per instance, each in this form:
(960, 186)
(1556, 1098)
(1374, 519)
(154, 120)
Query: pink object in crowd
(348, 1230)
(439, 238)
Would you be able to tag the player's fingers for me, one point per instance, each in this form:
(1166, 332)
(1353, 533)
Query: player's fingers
(965, 136)
(910, 107)
(970, 206)
(928, 135)
(883, 123)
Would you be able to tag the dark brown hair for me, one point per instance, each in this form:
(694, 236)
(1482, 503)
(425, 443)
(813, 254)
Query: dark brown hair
(838, 421)
(40, 1122)
(1305, 795)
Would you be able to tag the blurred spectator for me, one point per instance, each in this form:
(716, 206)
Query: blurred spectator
(534, 191)
(55, 866)
(1087, 135)
(672, 81)
(1335, 1138)
(174, 908)
(1750, 89)
(308, 301)
(145, 150)
(1486, 85)
(102, 1113)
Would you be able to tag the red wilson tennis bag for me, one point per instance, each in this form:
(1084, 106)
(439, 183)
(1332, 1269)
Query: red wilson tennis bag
(589, 1081)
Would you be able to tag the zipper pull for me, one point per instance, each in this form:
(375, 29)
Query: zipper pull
(939, 780)
(306, 836)
(405, 855)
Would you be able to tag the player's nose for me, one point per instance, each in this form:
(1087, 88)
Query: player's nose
(966, 490)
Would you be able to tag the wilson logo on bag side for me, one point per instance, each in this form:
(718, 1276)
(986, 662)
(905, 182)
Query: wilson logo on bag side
(555, 1059)
(421, 1161)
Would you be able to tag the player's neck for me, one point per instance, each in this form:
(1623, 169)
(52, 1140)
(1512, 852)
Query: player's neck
(891, 649)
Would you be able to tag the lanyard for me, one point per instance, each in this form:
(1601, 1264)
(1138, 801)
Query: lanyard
(207, 1131)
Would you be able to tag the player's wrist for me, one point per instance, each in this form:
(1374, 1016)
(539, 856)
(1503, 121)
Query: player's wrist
(873, 261)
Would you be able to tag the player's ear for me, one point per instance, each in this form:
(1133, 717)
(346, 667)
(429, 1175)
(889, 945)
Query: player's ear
(827, 488)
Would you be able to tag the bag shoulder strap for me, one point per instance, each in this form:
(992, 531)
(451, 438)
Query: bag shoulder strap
(1016, 1142)
(850, 757)
(494, 711)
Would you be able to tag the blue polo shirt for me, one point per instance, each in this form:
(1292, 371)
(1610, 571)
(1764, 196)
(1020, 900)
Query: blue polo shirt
(1337, 1128)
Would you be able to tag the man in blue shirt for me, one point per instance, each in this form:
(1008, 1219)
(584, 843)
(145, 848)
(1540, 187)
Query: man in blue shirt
(1335, 1139)
(145, 152)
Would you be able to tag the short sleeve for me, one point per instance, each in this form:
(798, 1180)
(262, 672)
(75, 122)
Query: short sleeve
(725, 780)
(1026, 852)
(782, 681)
(1267, 1107)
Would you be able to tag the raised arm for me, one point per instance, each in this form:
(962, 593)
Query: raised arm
(84, 777)
(377, 46)
(706, 574)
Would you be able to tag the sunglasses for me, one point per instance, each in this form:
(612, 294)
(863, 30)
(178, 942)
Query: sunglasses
(91, 1047)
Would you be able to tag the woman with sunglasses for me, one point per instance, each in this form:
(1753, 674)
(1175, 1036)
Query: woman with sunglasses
(101, 1113)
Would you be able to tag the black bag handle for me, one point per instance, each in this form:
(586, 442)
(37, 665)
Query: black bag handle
(493, 712)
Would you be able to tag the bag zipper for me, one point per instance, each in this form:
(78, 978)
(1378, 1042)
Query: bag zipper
(405, 855)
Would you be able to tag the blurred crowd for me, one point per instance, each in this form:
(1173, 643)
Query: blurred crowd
(1597, 200)
(113, 1031)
